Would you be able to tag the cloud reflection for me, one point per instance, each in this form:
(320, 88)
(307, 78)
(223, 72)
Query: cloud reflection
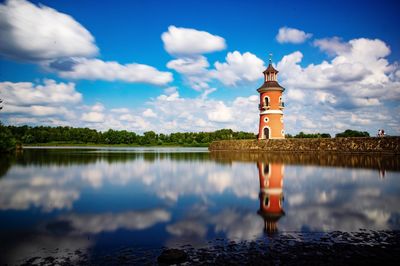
(109, 222)
(51, 188)
(339, 199)
(316, 198)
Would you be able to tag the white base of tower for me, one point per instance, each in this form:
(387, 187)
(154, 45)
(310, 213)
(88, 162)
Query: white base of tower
(271, 138)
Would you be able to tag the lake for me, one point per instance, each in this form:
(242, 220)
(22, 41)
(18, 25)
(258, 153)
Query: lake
(71, 202)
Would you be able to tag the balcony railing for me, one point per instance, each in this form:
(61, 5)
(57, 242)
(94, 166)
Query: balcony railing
(266, 107)
(263, 107)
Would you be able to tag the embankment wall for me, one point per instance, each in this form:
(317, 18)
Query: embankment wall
(337, 145)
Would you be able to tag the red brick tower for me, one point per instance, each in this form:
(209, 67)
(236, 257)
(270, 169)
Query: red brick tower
(271, 106)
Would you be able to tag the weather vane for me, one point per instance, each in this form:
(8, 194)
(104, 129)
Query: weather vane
(270, 58)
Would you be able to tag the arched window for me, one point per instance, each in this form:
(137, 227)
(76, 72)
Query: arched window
(266, 133)
(266, 100)
(266, 201)
(266, 169)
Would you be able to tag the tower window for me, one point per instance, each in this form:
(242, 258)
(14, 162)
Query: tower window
(266, 169)
(266, 201)
(266, 100)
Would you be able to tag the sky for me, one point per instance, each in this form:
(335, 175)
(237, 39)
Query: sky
(190, 66)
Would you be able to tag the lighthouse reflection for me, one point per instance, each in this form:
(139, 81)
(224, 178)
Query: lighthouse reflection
(271, 194)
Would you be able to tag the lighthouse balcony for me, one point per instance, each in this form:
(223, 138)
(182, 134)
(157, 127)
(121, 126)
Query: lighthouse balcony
(263, 107)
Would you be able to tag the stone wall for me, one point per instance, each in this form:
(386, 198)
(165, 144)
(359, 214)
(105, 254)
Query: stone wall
(340, 145)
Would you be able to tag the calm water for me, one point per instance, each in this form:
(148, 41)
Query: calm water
(96, 200)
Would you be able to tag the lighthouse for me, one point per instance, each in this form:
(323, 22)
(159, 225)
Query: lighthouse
(271, 106)
(271, 194)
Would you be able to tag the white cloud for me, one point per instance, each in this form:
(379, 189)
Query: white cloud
(173, 113)
(356, 84)
(358, 71)
(93, 117)
(132, 122)
(98, 107)
(343, 92)
(294, 94)
(291, 35)
(359, 120)
(30, 32)
(189, 65)
(169, 113)
(238, 67)
(120, 110)
(62, 45)
(220, 113)
(27, 93)
(149, 113)
(96, 69)
(176, 113)
(186, 41)
(332, 46)
(189, 44)
(194, 71)
(95, 113)
(170, 90)
(324, 97)
(26, 102)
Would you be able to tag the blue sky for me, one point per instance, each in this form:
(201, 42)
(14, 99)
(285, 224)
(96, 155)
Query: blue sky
(174, 66)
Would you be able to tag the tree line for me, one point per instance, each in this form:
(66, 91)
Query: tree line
(348, 133)
(11, 135)
(45, 134)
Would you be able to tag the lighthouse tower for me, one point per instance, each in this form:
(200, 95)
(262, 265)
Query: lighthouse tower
(271, 106)
(271, 194)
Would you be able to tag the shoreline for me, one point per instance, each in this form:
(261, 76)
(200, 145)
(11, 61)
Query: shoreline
(287, 248)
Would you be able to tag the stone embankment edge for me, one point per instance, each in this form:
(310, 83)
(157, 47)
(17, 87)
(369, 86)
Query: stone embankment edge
(337, 145)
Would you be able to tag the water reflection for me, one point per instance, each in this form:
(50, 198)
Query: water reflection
(91, 199)
(379, 161)
(271, 195)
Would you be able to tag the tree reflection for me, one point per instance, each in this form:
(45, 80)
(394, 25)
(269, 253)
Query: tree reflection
(66, 157)
(6, 160)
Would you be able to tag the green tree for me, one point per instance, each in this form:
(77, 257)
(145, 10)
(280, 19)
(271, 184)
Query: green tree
(7, 140)
(312, 135)
(150, 137)
(352, 133)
